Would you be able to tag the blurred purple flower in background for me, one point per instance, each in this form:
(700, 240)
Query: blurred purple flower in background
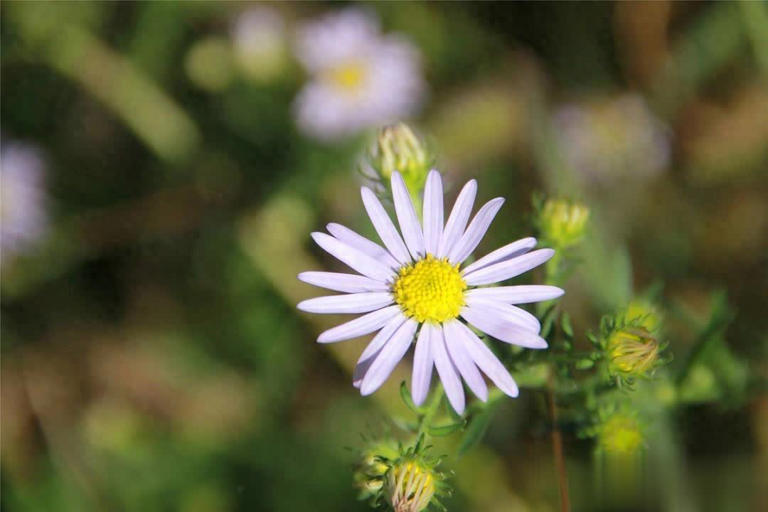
(260, 43)
(22, 198)
(360, 78)
(612, 138)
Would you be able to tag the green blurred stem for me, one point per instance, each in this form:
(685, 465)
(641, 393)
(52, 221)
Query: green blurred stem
(432, 407)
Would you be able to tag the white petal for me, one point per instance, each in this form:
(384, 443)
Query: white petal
(509, 268)
(476, 231)
(483, 357)
(433, 211)
(445, 369)
(349, 283)
(521, 294)
(348, 303)
(466, 366)
(384, 227)
(390, 355)
(506, 311)
(362, 244)
(501, 328)
(507, 252)
(359, 326)
(355, 259)
(374, 347)
(458, 218)
(406, 216)
(422, 367)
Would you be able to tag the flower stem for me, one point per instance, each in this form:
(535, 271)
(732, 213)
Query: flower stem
(557, 447)
(434, 403)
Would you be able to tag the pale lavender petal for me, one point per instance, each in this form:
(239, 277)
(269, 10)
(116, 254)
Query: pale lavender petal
(509, 268)
(521, 294)
(445, 369)
(355, 259)
(349, 283)
(506, 311)
(476, 231)
(458, 218)
(374, 347)
(507, 252)
(466, 366)
(362, 244)
(360, 326)
(390, 355)
(406, 216)
(433, 212)
(422, 367)
(501, 328)
(348, 303)
(483, 357)
(384, 227)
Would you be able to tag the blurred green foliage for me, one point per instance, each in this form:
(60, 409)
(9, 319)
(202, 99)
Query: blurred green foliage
(152, 358)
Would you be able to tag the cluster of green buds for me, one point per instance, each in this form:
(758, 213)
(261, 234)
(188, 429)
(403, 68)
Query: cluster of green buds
(404, 478)
(398, 148)
(561, 223)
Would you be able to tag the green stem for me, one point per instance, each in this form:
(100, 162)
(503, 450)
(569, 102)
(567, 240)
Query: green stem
(429, 414)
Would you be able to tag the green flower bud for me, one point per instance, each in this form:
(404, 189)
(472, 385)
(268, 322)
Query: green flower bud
(410, 486)
(632, 351)
(562, 223)
(397, 148)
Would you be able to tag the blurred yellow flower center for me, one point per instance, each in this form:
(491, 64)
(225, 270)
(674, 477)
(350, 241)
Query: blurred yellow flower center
(410, 487)
(620, 434)
(349, 76)
(430, 290)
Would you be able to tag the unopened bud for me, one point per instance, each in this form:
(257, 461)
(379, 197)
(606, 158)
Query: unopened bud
(562, 223)
(410, 486)
(620, 433)
(632, 351)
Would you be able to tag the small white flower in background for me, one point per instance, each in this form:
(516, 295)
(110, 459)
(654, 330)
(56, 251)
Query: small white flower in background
(23, 218)
(415, 287)
(359, 77)
(612, 138)
(260, 43)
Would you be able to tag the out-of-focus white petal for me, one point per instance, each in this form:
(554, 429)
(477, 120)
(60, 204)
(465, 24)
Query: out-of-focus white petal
(384, 227)
(433, 212)
(445, 369)
(349, 283)
(466, 366)
(507, 252)
(360, 326)
(506, 311)
(406, 216)
(374, 347)
(458, 218)
(475, 231)
(355, 259)
(501, 328)
(509, 268)
(483, 357)
(390, 355)
(349, 303)
(362, 244)
(422, 367)
(521, 294)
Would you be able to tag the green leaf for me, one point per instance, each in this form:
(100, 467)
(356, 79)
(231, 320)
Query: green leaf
(565, 323)
(445, 430)
(405, 394)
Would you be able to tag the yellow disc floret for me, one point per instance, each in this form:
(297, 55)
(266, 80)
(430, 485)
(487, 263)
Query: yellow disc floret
(430, 290)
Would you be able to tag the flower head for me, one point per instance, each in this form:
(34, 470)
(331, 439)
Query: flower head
(619, 433)
(603, 140)
(410, 486)
(360, 78)
(22, 197)
(416, 286)
(632, 351)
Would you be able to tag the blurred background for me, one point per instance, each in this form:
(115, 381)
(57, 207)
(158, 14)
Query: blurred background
(163, 164)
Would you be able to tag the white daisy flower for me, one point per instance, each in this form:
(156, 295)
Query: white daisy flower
(23, 216)
(360, 78)
(416, 287)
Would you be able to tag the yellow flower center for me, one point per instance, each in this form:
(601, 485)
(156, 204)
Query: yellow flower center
(410, 487)
(430, 290)
(349, 76)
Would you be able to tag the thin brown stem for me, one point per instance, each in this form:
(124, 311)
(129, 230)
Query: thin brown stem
(557, 447)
